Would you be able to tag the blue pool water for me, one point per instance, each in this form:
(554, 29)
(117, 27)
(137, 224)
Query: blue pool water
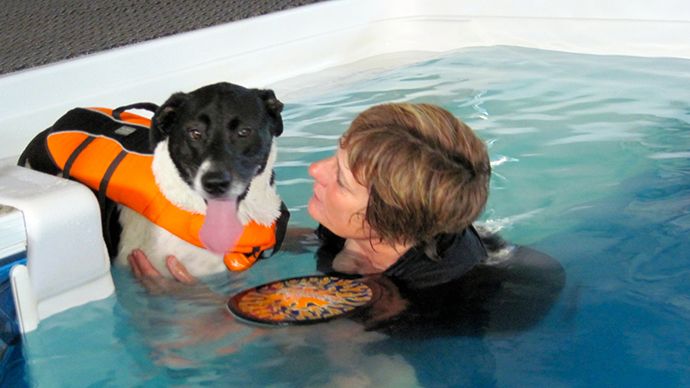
(591, 158)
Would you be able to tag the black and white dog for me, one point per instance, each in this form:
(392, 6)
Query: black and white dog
(213, 154)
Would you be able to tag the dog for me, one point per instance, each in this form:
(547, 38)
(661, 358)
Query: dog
(213, 151)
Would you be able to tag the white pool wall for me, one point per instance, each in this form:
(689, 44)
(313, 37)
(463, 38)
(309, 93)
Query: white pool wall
(262, 51)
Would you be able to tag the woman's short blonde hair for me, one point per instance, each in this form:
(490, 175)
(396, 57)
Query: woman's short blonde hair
(426, 171)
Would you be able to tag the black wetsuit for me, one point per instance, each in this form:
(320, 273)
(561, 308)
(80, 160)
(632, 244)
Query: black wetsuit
(460, 294)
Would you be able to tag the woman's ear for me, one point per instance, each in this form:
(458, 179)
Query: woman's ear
(166, 117)
(274, 108)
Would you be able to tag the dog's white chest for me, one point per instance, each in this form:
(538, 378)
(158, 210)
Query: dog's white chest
(157, 243)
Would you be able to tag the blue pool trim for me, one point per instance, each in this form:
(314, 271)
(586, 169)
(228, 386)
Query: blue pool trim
(11, 354)
(7, 262)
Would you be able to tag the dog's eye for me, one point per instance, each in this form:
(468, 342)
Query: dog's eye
(244, 132)
(194, 133)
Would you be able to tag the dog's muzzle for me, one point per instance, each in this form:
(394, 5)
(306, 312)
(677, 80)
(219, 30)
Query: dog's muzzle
(216, 183)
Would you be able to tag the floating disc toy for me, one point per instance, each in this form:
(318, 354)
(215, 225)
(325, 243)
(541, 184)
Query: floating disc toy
(301, 300)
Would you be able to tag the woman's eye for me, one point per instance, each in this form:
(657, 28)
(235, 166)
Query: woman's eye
(244, 132)
(340, 183)
(194, 133)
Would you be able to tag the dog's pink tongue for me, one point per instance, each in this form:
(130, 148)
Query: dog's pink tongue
(221, 228)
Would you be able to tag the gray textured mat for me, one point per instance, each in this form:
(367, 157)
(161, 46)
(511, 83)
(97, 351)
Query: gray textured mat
(34, 33)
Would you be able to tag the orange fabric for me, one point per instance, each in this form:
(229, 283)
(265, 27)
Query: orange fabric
(133, 185)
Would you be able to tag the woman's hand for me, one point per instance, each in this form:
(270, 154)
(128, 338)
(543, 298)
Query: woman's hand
(142, 268)
(182, 284)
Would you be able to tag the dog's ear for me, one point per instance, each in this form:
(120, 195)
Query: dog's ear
(165, 117)
(274, 107)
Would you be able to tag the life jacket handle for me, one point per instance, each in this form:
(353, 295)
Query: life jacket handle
(149, 106)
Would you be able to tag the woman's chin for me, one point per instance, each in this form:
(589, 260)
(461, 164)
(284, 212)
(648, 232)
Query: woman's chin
(313, 209)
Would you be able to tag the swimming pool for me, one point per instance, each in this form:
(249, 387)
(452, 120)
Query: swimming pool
(590, 158)
(586, 168)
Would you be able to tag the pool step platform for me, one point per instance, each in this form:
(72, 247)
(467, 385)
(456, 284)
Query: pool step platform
(53, 256)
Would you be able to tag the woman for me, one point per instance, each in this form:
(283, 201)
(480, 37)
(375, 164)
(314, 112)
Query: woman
(401, 193)
(396, 203)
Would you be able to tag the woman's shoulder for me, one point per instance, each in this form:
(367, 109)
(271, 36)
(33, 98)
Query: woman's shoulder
(458, 253)
(512, 294)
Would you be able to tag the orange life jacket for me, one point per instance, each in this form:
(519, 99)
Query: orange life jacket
(90, 145)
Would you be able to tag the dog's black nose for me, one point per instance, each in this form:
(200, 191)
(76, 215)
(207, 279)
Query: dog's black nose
(216, 182)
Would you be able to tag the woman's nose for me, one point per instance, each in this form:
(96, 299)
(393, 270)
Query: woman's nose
(319, 170)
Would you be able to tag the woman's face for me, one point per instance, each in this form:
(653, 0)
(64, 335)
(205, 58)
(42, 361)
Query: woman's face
(339, 202)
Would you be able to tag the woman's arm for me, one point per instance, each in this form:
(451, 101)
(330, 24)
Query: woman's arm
(300, 240)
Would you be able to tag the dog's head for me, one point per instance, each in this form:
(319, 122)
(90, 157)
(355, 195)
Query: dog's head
(219, 136)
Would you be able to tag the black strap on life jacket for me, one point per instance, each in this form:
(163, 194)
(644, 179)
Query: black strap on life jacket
(149, 106)
(73, 157)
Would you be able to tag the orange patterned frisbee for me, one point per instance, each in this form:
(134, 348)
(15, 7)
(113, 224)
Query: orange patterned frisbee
(301, 300)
